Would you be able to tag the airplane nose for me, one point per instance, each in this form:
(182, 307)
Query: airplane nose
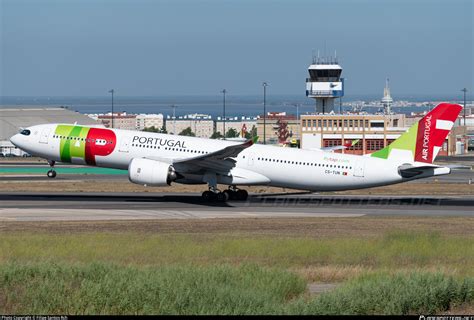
(15, 139)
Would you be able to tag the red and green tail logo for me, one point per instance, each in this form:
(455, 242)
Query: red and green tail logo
(424, 139)
(85, 143)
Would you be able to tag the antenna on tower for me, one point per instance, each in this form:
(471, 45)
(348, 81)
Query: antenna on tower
(325, 48)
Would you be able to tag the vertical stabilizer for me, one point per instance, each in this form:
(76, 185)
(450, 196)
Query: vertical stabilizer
(422, 142)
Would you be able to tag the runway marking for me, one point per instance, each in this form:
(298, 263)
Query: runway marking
(37, 214)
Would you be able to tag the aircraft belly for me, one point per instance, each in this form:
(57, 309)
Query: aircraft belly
(114, 160)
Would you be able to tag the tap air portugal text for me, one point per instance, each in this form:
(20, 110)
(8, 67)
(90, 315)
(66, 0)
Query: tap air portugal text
(159, 159)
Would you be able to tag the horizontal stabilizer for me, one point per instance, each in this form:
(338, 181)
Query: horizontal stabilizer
(409, 171)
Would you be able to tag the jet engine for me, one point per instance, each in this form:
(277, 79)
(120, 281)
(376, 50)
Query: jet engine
(150, 172)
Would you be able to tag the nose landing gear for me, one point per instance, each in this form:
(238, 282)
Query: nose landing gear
(51, 173)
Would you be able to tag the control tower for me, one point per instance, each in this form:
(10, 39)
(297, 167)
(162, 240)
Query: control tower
(387, 99)
(324, 83)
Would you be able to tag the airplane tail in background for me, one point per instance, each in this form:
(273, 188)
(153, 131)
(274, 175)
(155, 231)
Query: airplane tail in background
(422, 142)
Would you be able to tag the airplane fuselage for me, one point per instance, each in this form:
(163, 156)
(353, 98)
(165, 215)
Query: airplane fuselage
(271, 165)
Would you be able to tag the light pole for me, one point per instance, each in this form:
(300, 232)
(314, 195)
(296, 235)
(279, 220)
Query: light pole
(264, 84)
(223, 106)
(297, 105)
(112, 92)
(464, 90)
(174, 118)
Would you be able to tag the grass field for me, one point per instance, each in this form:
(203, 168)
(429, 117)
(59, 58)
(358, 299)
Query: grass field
(224, 289)
(122, 268)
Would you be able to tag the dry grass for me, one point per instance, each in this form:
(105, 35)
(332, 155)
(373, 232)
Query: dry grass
(323, 228)
(464, 309)
(331, 274)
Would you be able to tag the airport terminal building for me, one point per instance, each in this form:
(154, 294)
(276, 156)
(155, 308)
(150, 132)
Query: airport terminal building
(373, 132)
(12, 118)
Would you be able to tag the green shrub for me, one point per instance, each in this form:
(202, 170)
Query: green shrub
(100, 288)
(391, 294)
(108, 289)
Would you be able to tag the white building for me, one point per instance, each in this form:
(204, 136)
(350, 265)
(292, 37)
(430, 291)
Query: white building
(149, 120)
(121, 120)
(201, 125)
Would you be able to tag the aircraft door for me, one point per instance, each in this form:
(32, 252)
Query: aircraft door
(359, 168)
(44, 135)
(250, 160)
(125, 144)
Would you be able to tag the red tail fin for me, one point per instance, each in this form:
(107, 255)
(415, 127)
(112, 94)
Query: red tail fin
(433, 130)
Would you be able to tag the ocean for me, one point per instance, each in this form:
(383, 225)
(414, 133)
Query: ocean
(236, 106)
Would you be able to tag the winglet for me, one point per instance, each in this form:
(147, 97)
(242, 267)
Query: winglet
(351, 143)
(250, 142)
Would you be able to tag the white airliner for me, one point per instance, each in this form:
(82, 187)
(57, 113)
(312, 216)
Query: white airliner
(155, 159)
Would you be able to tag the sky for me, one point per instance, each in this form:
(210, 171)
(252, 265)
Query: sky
(193, 47)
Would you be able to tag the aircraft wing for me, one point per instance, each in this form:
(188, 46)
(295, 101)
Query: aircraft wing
(220, 161)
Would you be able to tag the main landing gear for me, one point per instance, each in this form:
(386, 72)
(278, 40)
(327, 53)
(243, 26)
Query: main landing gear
(214, 195)
(51, 173)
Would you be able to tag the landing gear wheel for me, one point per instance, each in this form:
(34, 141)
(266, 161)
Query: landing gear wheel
(231, 194)
(51, 174)
(222, 197)
(242, 195)
(208, 196)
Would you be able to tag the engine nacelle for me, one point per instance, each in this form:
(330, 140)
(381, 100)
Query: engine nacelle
(150, 172)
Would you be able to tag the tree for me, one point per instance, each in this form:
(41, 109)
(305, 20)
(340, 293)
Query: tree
(155, 129)
(282, 132)
(187, 132)
(217, 135)
(232, 133)
(151, 129)
(252, 133)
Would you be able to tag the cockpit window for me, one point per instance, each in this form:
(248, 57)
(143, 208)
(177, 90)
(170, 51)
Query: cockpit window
(25, 132)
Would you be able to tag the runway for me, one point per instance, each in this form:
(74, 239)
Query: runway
(136, 206)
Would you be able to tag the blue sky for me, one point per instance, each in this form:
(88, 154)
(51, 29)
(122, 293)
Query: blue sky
(154, 48)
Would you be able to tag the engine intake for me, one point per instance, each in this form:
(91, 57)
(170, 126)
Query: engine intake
(150, 172)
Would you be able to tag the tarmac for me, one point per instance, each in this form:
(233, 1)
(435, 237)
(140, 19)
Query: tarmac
(21, 206)
(138, 206)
